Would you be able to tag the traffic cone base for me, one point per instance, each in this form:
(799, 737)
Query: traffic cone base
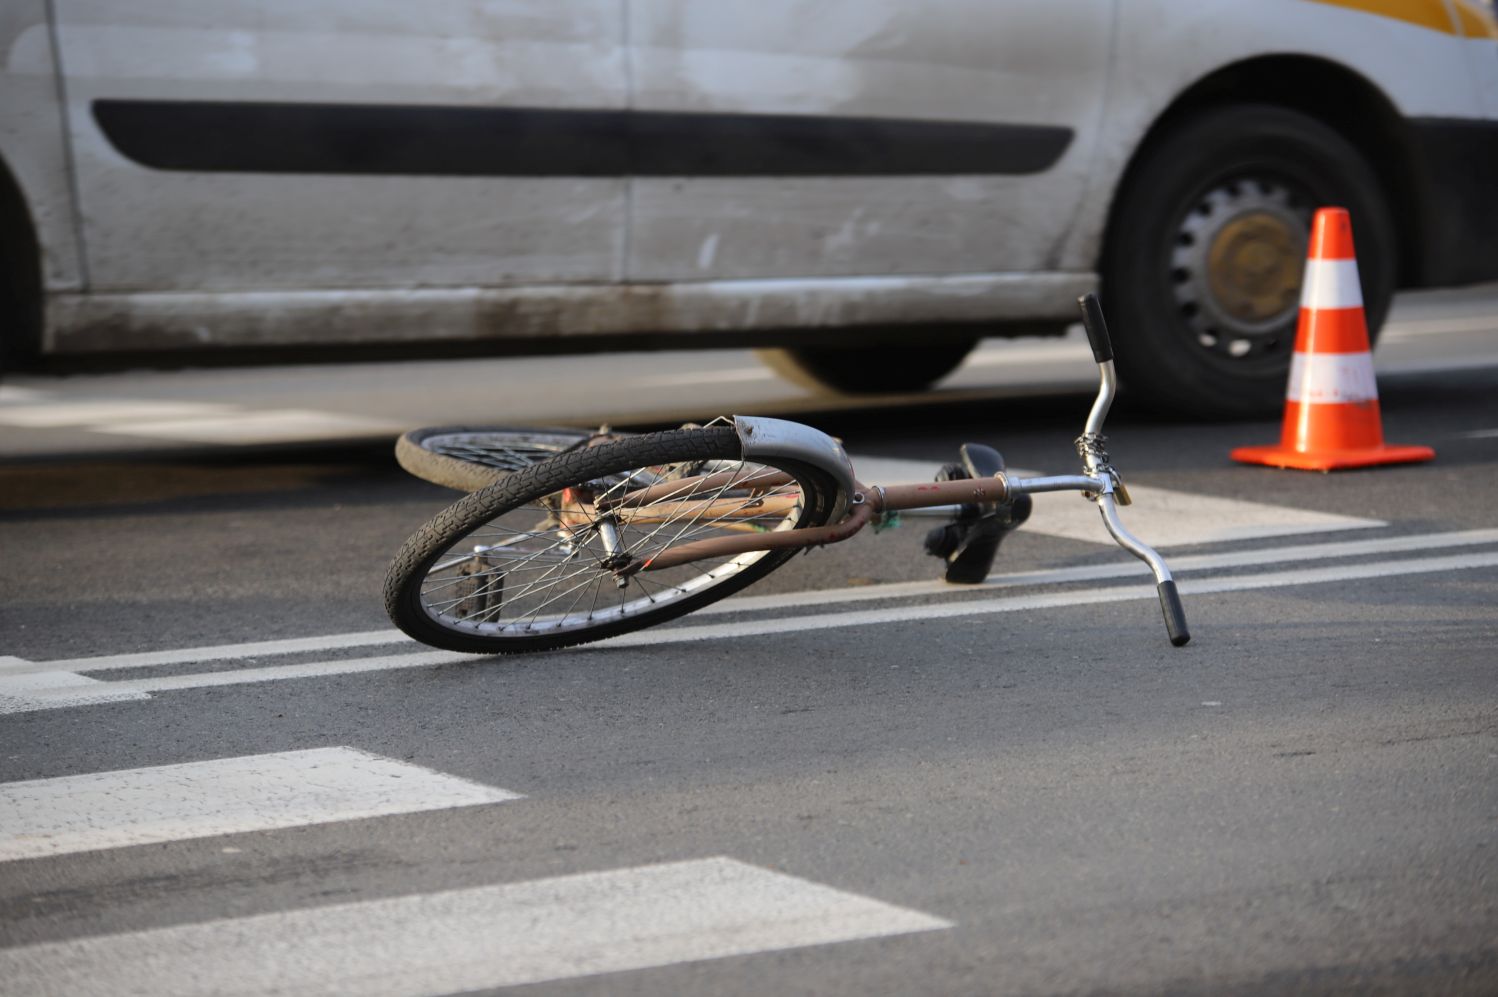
(1332, 418)
(1331, 460)
(1352, 436)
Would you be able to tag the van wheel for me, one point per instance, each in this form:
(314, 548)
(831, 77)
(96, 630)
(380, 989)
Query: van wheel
(870, 369)
(1206, 248)
(20, 278)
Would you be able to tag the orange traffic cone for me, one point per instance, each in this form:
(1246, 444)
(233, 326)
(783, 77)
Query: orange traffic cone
(1331, 405)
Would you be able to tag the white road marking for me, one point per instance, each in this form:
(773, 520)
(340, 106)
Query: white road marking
(13, 666)
(828, 621)
(243, 427)
(231, 795)
(55, 690)
(1121, 593)
(473, 939)
(341, 666)
(1480, 434)
(1162, 517)
(1091, 572)
(102, 414)
(217, 652)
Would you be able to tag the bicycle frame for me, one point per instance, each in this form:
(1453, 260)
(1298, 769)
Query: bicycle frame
(862, 504)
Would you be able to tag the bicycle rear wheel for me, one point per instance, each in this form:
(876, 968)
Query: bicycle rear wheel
(551, 556)
(470, 457)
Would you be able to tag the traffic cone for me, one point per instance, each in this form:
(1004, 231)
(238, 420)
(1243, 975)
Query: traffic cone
(1331, 404)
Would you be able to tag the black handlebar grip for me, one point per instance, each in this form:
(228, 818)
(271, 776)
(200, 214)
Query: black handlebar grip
(1175, 614)
(1097, 329)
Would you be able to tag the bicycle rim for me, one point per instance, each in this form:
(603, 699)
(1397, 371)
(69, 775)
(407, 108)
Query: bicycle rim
(504, 449)
(552, 556)
(468, 458)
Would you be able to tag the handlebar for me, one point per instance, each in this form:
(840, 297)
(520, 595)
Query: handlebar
(1097, 328)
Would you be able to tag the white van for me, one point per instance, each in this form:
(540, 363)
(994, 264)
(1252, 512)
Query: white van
(868, 185)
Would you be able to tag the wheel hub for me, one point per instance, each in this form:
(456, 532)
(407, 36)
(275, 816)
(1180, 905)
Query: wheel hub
(1236, 269)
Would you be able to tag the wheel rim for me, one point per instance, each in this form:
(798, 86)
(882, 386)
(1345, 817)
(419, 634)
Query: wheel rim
(1236, 265)
(536, 569)
(511, 450)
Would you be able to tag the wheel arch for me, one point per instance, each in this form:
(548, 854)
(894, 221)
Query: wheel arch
(20, 273)
(1338, 97)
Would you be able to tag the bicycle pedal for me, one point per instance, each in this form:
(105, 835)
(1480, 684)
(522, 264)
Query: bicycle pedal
(943, 541)
(970, 548)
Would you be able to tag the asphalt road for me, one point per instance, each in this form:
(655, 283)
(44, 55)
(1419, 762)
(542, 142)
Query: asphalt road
(218, 766)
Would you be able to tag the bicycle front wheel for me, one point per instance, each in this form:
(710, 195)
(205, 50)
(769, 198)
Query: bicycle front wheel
(556, 554)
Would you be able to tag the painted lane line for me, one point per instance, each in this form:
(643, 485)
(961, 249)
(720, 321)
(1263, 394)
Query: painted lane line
(1122, 593)
(474, 939)
(1100, 572)
(345, 666)
(1480, 434)
(79, 813)
(789, 600)
(1163, 517)
(216, 652)
(828, 621)
(58, 690)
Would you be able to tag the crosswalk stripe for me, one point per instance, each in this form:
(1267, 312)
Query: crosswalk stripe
(473, 939)
(51, 690)
(78, 813)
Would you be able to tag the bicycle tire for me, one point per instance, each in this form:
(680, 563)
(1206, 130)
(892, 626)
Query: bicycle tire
(467, 458)
(436, 591)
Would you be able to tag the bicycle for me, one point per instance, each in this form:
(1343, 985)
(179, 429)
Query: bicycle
(576, 537)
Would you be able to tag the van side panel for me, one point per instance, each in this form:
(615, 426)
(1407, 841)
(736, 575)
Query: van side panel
(407, 71)
(1008, 67)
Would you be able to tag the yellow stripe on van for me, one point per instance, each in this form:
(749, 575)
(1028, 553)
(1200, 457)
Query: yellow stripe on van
(1426, 13)
(1476, 18)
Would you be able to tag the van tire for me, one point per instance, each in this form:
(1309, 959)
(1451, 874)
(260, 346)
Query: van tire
(20, 277)
(870, 369)
(1178, 354)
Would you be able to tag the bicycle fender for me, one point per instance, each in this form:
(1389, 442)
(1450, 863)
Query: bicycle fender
(769, 438)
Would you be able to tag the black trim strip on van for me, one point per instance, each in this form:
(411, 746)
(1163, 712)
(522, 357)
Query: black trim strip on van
(416, 140)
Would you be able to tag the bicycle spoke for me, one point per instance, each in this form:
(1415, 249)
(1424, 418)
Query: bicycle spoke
(543, 566)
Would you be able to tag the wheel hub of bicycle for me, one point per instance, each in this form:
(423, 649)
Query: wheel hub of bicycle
(1236, 270)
